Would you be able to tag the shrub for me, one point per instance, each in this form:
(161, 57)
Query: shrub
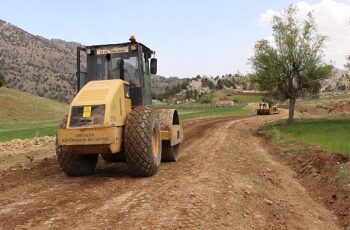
(2, 80)
(205, 99)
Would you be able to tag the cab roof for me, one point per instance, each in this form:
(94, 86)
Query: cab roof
(144, 48)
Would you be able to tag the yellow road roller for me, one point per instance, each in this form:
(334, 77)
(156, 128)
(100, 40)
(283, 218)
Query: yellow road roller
(112, 114)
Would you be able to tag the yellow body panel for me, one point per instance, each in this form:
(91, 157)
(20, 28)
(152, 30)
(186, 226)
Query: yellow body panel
(111, 136)
(105, 92)
(107, 135)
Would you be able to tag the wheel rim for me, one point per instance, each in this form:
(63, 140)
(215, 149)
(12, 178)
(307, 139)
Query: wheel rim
(155, 142)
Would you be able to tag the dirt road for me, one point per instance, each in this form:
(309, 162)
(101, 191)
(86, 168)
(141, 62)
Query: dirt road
(224, 179)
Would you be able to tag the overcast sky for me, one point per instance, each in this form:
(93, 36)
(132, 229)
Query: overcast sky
(207, 37)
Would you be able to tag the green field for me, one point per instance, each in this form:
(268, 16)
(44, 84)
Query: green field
(23, 115)
(246, 98)
(195, 113)
(331, 134)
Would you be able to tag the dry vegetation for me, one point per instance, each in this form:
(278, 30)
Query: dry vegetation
(37, 65)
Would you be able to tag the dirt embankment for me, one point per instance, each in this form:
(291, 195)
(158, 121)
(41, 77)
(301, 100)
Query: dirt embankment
(20, 154)
(339, 108)
(224, 179)
(318, 171)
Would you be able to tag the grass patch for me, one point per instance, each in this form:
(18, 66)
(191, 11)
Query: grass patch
(27, 133)
(343, 174)
(246, 98)
(23, 115)
(195, 113)
(331, 134)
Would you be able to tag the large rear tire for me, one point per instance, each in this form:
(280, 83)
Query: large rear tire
(143, 144)
(74, 164)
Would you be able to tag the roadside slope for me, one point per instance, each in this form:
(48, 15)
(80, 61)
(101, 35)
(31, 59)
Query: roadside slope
(23, 112)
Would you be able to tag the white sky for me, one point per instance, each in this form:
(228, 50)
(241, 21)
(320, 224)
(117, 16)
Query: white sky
(333, 20)
(206, 37)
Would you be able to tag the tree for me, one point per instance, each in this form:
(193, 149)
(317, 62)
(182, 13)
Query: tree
(2, 80)
(189, 94)
(347, 65)
(204, 82)
(219, 84)
(207, 83)
(211, 84)
(292, 65)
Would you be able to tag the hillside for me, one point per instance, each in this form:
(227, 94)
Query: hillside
(160, 84)
(22, 113)
(194, 89)
(339, 81)
(46, 67)
(37, 65)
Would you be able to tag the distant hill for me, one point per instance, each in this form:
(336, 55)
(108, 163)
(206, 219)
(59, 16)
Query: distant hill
(46, 67)
(160, 84)
(191, 90)
(37, 65)
(340, 80)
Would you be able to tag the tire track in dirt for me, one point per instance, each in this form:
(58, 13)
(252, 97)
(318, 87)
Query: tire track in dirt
(223, 179)
(45, 178)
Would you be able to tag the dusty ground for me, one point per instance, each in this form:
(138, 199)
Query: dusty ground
(224, 179)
